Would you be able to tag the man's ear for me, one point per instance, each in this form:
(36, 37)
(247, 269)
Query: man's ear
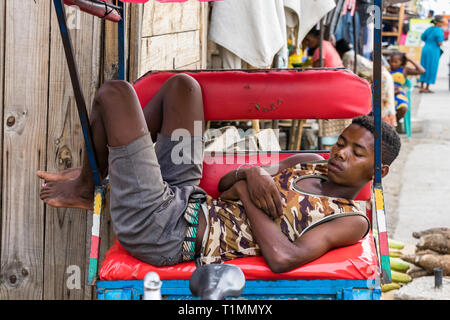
(384, 170)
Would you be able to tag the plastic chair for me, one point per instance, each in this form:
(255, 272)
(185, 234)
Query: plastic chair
(407, 118)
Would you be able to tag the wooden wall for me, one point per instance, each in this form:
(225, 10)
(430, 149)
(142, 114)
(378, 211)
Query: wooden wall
(179, 42)
(40, 246)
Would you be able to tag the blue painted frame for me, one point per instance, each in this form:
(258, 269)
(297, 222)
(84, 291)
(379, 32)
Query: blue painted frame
(323, 289)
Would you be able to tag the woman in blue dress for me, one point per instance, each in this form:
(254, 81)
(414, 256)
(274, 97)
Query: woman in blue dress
(431, 53)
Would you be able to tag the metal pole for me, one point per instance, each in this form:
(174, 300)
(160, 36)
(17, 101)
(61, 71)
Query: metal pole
(378, 188)
(336, 16)
(319, 138)
(121, 43)
(355, 44)
(377, 94)
(321, 43)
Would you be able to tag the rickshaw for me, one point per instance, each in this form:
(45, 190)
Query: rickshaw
(353, 272)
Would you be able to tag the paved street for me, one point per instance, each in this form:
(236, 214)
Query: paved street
(418, 188)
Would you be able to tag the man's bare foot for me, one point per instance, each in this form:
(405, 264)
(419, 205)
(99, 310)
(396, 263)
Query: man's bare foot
(425, 91)
(68, 194)
(68, 174)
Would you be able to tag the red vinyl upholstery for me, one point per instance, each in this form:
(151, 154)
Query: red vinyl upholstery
(268, 94)
(358, 261)
(273, 94)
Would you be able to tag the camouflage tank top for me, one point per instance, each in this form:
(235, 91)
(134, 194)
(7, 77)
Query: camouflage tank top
(230, 234)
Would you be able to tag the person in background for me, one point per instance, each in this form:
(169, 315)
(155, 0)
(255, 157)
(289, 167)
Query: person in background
(399, 72)
(330, 56)
(431, 53)
(328, 129)
(364, 69)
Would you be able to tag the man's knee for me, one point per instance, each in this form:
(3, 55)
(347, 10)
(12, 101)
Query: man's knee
(114, 91)
(184, 84)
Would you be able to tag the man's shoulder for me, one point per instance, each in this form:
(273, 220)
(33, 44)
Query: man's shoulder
(306, 158)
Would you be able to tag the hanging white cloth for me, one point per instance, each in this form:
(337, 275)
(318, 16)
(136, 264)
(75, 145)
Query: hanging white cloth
(253, 30)
(308, 13)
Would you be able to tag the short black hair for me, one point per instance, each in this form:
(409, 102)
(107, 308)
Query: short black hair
(342, 46)
(390, 140)
(314, 32)
(401, 55)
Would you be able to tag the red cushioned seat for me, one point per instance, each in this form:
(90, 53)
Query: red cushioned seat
(264, 94)
(358, 261)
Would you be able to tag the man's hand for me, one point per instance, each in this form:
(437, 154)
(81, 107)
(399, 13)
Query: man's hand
(263, 192)
(233, 193)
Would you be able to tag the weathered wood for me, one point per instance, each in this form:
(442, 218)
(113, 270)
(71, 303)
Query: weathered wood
(65, 269)
(204, 14)
(193, 66)
(110, 66)
(42, 248)
(172, 51)
(135, 31)
(2, 52)
(168, 18)
(25, 99)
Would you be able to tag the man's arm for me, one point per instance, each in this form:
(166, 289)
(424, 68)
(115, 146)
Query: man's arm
(282, 255)
(262, 190)
(231, 177)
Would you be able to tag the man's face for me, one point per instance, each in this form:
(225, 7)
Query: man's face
(351, 161)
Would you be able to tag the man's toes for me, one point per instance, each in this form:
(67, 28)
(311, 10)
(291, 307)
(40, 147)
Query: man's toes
(42, 174)
(44, 195)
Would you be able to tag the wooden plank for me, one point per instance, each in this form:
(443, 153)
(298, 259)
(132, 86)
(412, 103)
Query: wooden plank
(25, 127)
(193, 66)
(390, 34)
(135, 31)
(2, 56)
(167, 18)
(204, 13)
(65, 269)
(170, 51)
(390, 18)
(110, 52)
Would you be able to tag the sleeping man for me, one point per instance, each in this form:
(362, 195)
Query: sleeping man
(291, 213)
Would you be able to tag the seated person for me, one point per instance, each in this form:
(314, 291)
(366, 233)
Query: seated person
(291, 213)
(330, 56)
(399, 72)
